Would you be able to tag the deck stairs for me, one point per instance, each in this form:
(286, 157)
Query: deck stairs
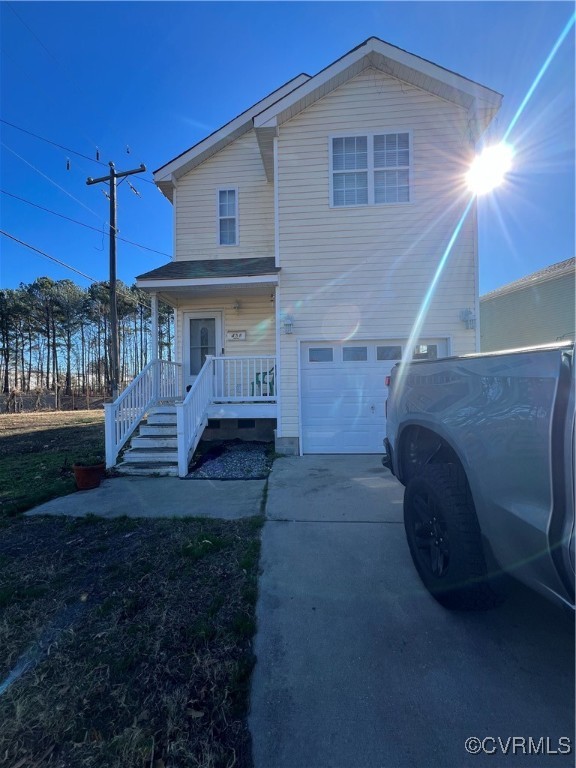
(155, 428)
(153, 448)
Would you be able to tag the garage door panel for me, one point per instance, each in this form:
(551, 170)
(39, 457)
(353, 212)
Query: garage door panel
(336, 441)
(343, 401)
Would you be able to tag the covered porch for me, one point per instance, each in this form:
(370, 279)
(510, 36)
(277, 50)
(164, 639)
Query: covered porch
(226, 367)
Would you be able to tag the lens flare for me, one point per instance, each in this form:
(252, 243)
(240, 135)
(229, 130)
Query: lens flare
(489, 169)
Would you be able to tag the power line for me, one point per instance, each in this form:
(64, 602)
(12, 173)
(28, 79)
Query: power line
(47, 255)
(64, 70)
(62, 146)
(81, 223)
(52, 181)
(54, 143)
(63, 264)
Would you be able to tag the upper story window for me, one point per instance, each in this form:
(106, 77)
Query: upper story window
(228, 216)
(371, 169)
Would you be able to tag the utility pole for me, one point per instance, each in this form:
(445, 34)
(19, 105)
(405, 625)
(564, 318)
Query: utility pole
(111, 179)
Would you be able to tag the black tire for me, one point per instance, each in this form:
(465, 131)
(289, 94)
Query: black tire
(444, 539)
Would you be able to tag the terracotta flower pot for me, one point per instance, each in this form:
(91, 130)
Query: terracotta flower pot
(88, 476)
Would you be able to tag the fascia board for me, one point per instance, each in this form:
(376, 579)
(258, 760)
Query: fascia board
(207, 281)
(269, 117)
(224, 135)
(428, 68)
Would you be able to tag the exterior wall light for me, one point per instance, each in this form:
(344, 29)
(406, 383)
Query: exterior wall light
(288, 324)
(468, 317)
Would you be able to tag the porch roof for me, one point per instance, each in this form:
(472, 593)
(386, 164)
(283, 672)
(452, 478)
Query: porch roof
(202, 268)
(211, 273)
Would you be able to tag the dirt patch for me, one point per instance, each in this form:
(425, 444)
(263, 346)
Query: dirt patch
(126, 643)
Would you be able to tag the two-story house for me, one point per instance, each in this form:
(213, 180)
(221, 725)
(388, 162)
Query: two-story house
(308, 232)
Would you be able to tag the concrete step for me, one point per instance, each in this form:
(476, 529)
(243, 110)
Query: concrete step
(147, 456)
(161, 469)
(150, 442)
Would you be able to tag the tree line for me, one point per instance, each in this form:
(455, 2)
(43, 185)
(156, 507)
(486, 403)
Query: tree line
(55, 336)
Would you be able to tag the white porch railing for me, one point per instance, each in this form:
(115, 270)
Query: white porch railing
(221, 380)
(191, 415)
(159, 380)
(245, 379)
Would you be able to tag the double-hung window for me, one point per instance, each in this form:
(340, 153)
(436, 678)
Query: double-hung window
(371, 169)
(228, 217)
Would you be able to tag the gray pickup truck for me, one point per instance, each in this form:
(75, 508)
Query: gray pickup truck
(484, 444)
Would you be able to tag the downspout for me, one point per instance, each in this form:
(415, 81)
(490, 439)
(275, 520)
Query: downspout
(473, 137)
(279, 430)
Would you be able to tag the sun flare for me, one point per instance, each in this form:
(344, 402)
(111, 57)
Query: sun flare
(489, 168)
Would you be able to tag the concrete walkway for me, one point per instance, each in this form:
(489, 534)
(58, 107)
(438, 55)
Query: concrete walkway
(161, 497)
(358, 667)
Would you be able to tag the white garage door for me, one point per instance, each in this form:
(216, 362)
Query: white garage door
(343, 392)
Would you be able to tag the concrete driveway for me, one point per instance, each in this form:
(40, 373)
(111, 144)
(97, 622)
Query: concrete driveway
(358, 667)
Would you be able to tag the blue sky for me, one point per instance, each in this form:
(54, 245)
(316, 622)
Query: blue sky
(158, 77)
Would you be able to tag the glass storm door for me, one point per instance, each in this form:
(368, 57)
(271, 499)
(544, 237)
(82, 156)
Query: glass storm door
(202, 339)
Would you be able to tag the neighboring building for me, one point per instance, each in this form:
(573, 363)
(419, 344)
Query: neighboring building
(536, 309)
(307, 232)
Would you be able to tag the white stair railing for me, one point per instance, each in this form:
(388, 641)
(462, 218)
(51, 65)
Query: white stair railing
(245, 379)
(159, 380)
(191, 414)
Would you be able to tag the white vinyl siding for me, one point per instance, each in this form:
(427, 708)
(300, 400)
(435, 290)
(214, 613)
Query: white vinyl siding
(363, 271)
(196, 218)
(228, 216)
(256, 316)
(370, 170)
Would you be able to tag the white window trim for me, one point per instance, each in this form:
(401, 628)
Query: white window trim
(218, 217)
(370, 170)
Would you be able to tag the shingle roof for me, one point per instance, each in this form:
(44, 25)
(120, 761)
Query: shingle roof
(554, 270)
(203, 268)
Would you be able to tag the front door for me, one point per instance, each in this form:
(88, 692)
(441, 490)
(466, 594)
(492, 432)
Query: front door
(202, 337)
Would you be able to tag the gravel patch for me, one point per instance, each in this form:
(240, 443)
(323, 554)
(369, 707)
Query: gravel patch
(233, 460)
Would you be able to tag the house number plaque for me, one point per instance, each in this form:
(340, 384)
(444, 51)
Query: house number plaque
(235, 335)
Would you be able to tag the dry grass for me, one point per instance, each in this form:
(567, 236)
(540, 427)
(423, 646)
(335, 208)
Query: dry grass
(135, 637)
(38, 450)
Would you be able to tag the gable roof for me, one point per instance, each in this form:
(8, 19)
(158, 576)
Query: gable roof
(218, 139)
(528, 281)
(267, 115)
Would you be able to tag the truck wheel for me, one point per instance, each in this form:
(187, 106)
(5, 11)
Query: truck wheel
(444, 539)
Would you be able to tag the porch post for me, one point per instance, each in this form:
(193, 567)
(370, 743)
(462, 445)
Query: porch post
(278, 383)
(154, 342)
